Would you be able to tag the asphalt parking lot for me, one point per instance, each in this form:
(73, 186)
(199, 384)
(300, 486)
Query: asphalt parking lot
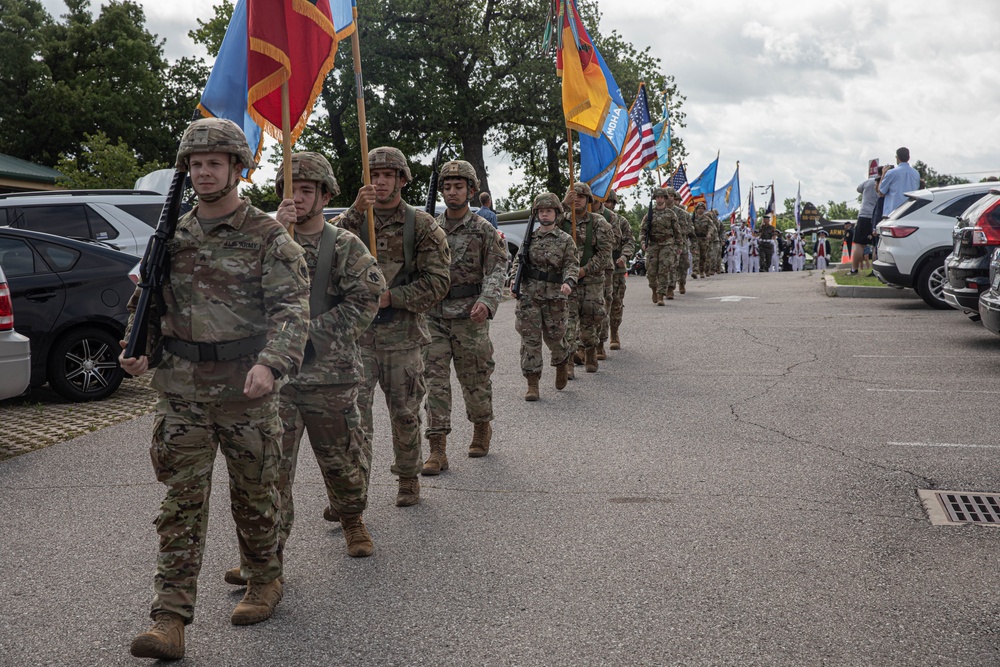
(737, 486)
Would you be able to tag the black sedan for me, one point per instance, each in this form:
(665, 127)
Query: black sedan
(69, 299)
(967, 268)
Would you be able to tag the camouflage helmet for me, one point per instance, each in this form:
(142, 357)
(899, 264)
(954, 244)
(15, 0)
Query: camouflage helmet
(387, 157)
(547, 200)
(214, 135)
(460, 169)
(612, 197)
(672, 192)
(700, 205)
(660, 192)
(308, 166)
(581, 188)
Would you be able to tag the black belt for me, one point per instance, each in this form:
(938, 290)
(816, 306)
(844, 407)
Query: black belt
(462, 291)
(226, 351)
(535, 274)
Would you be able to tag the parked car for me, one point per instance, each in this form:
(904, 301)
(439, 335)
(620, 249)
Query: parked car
(916, 238)
(15, 349)
(124, 219)
(967, 267)
(989, 300)
(69, 297)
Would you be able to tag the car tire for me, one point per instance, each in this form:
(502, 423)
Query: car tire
(930, 284)
(83, 365)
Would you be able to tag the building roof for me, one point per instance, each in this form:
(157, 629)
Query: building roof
(21, 170)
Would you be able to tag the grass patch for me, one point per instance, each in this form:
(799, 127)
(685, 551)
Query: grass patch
(844, 278)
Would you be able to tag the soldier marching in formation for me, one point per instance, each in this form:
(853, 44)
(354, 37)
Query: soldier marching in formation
(660, 234)
(621, 256)
(460, 323)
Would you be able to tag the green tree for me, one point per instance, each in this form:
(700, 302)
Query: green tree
(933, 179)
(838, 211)
(102, 164)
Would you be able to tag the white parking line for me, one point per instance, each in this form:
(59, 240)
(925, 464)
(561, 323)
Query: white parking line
(940, 444)
(926, 356)
(931, 391)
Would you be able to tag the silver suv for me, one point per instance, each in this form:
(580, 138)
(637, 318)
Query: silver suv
(122, 219)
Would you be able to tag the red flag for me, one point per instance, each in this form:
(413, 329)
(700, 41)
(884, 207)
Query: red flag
(293, 41)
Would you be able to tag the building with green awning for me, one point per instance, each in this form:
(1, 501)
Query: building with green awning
(17, 175)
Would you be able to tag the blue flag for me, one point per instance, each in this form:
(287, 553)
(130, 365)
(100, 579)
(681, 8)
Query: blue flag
(704, 185)
(753, 211)
(726, 199)
(599, 155)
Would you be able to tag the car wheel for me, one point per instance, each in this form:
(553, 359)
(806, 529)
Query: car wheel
(930, 284)
(83, 365)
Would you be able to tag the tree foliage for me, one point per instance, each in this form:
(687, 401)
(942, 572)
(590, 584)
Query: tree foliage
(102, 164)
(932, 179)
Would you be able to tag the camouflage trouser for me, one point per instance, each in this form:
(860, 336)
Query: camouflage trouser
(609, 291)
(469, 344)
(186, 437)
(703, 259)
(660, 261)
(401, 375)
(537, 321)
(618, 299)
(586, 314)
(330, 415)
(683, 263)
(766, 253)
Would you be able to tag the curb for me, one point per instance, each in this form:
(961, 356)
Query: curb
(864, 292)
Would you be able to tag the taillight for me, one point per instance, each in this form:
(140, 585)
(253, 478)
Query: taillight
(986, 231)
(897, 231)
(6, 309)
(133, 275)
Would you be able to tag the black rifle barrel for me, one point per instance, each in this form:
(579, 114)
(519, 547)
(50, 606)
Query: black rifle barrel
(523, 260)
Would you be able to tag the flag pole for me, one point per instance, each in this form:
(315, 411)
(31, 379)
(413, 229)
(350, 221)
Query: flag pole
(572, 209)
(362, 125)
(286, 148)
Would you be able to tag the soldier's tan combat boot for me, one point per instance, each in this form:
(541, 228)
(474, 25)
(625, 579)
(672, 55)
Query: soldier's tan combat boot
(359, 540)
(616, 343)
(670, 293)
(682, 290)
(331, 515)
(165, 640)
(258, 603)
(659, 299)
(570, 370)
(591, 359)
(438, 460)
(656, 297)
(532, 393)
(579, 356)
(482, 433)
(562, 375)
(409, 492)
(601, 354)
(234, 577)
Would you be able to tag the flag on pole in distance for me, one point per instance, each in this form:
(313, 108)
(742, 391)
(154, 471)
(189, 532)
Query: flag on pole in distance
(769, 211)
(292, 41)
(587, 90)
(726, 200)
(704, 185)
(753, 210)
(661, 135)
(679, 181)
(798, 207)
(640, 149)
(226, 93)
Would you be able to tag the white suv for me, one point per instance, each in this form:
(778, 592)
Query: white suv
(916, 238)
(123, 219)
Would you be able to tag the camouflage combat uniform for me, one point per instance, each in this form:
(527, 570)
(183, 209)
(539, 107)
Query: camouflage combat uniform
(478, 262)
(322, 399)
(661, 252)
(684, 245)
(609, 275)
(767, 234)
(586, 303)
(541, 313)
(239, 278)
(626, 249)
(701, 247)
(391, 351)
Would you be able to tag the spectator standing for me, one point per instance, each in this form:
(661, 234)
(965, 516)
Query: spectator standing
(486, 211)
(899, 181)
(863, 230)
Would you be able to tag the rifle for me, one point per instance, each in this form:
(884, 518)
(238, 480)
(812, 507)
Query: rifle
(649, 225)
(522, 252)
(153, 273)
(432, 190)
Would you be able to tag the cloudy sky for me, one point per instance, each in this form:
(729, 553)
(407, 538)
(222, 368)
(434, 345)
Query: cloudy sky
(796, 91)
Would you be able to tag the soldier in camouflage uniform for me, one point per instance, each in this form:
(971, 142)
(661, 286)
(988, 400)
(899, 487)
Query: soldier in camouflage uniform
(460, 324)
(720, 235)
(551, 269)
(684, 242)
(609, 274)
(659, 236)
(322, 399)
(621, 256)
(701, 248)
(233, 326)
(418, 277)
(767, 234)
(594, 241)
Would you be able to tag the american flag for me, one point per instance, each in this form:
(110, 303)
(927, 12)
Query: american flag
(679, 181)
(640, 144)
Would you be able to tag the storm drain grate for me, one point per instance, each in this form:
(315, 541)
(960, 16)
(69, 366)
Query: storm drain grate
(961, 507)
